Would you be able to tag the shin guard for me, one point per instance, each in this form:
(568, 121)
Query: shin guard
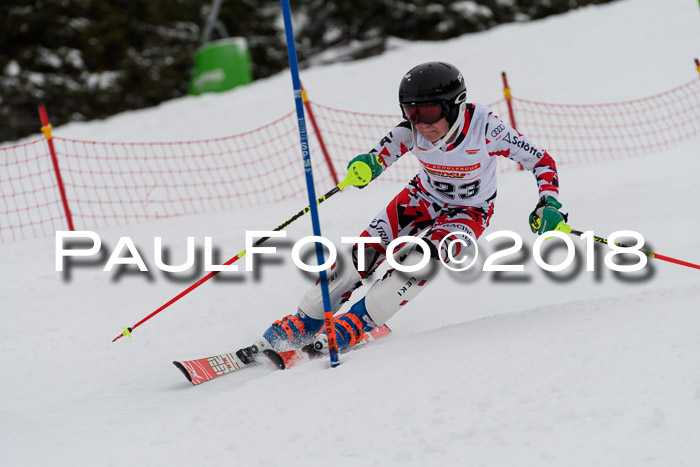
(397, 288)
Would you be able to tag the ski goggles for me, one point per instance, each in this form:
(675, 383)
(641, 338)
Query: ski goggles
(425, 113)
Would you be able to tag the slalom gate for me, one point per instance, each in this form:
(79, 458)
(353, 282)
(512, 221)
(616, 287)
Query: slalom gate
(53, 182)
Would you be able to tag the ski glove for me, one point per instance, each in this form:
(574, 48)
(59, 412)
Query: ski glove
(546, 215)
(373, 162)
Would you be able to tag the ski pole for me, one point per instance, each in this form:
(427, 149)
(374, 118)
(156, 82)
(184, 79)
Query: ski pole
(359, 174)
(562, 227)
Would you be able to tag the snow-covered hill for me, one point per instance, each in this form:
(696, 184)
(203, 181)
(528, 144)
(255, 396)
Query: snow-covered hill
(627, 50)
(592, 368)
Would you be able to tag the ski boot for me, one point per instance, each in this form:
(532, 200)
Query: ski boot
(350, 329)
(292, 332)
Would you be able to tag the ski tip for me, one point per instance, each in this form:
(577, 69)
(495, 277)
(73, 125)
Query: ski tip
(184, 371)
(275, 358)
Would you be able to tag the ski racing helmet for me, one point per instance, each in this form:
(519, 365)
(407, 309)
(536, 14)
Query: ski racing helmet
(437, 83)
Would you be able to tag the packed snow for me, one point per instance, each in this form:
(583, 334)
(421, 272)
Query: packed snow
(576, 368)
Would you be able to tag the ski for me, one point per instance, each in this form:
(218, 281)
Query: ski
(205, 369)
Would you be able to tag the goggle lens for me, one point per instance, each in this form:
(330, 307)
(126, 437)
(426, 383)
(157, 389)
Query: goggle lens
(426, 113)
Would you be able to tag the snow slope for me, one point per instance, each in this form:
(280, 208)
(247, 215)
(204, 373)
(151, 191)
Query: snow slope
(517, 369)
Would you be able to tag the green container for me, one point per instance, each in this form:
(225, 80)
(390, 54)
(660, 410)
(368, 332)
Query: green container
(221, 65)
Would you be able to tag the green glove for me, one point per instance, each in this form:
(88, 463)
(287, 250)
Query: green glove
(546, 215)
(373, 162)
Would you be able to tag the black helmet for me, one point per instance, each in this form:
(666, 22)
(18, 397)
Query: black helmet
(434, 82)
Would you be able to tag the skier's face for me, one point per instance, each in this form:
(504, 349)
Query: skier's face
(433, 131)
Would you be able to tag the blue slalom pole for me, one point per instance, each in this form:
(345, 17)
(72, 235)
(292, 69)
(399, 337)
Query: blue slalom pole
(294, 69)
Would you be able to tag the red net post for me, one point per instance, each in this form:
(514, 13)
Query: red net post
(509, 101)
(507, 94)
(319, 136)
(46, 129)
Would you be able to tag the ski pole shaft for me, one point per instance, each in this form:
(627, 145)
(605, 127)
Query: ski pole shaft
(359, 174)
(567, 229)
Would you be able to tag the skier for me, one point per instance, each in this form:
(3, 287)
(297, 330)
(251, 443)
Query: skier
(457, 144)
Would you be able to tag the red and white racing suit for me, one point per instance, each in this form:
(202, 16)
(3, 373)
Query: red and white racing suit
(454, 191)
(456, 186)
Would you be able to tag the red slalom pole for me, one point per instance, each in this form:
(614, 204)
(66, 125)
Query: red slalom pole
(319, 136)
(509, 101)
(509, 98)
(46, 129)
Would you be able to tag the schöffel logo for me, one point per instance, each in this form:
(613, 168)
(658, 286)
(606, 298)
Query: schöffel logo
(523, 145)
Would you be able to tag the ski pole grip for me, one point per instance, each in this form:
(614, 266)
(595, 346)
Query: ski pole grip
(359, 174)
(563, 227)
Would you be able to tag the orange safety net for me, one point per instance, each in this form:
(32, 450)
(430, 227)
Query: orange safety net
(109, 184)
